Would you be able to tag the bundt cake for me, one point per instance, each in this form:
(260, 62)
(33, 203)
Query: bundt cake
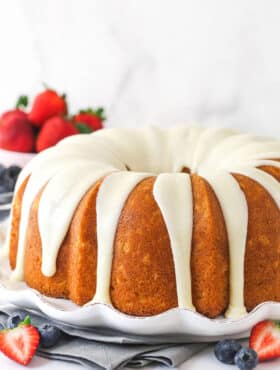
(150, 219)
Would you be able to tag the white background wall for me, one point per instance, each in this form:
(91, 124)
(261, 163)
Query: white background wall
(148, 61)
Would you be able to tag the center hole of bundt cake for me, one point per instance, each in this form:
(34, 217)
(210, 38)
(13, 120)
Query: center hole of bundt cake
(184, 169)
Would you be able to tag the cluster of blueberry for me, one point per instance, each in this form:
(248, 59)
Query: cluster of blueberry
(231, 352)
(8, 178)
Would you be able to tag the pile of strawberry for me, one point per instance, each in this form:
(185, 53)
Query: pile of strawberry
(45, 124)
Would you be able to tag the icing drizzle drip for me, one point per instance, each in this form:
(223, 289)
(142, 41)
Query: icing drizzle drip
(111, 197)
(80, 161)
(233, 202)
(54, 202)
(177, 213)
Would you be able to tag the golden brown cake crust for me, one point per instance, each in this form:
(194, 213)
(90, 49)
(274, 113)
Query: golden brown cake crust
(75, 276)
(262, 258)
(52, 286)
(143, 276)
(83, 255)
(209, 259)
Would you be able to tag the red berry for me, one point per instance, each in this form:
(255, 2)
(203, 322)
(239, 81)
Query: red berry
(91, 118)
(20, 344)
(14, 113)
(265, 340)
(54, 130)
(16, 132)
(46, 105)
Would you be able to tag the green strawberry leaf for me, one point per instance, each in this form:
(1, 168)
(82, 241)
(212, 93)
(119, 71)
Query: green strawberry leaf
(83, 129)
(99, 112)
(22, 102)
(26, 321)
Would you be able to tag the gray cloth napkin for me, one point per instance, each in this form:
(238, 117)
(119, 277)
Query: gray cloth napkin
(85, 347)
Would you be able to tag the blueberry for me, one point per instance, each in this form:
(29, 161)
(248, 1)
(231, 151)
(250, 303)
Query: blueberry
(49, 335)
(2, 169)
(15, 318)
(2, 188)
(4, 215)
(9, 177)
(13, 171)
(226, 349)
(8, 183)
(246, 359)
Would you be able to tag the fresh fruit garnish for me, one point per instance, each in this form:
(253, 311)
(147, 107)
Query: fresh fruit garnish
(49, 334)
(16, 113)
(16, 132)
(9, 177)
(226, 349)
(15, 319)
(20, 343)
(246, 359)
(93, 119)
(2, 169)
(22, 102)
(54, 130)
(265, 339)
(46, 105)
(24, 132)
(83, 128)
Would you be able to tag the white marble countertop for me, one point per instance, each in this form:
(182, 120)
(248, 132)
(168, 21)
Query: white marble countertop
(149, 61)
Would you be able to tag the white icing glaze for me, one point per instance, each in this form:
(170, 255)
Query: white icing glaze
(57, 207)
(207, 142)
(253, 150)
(233, 202)
(267, 181)
(111, 198)
(262, 162)
(79, 161)
(225, 148)
(36, 182)
(177, 212)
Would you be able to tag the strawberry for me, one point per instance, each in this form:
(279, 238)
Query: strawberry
(265, 339)
(54, 130)
(16, 113)
(46, 105)
(20, 344)
(22, 102)
(16, 132)
(93, 119)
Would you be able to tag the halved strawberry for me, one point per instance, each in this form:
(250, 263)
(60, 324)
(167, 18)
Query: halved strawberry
(265, 339)
(20, 344)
